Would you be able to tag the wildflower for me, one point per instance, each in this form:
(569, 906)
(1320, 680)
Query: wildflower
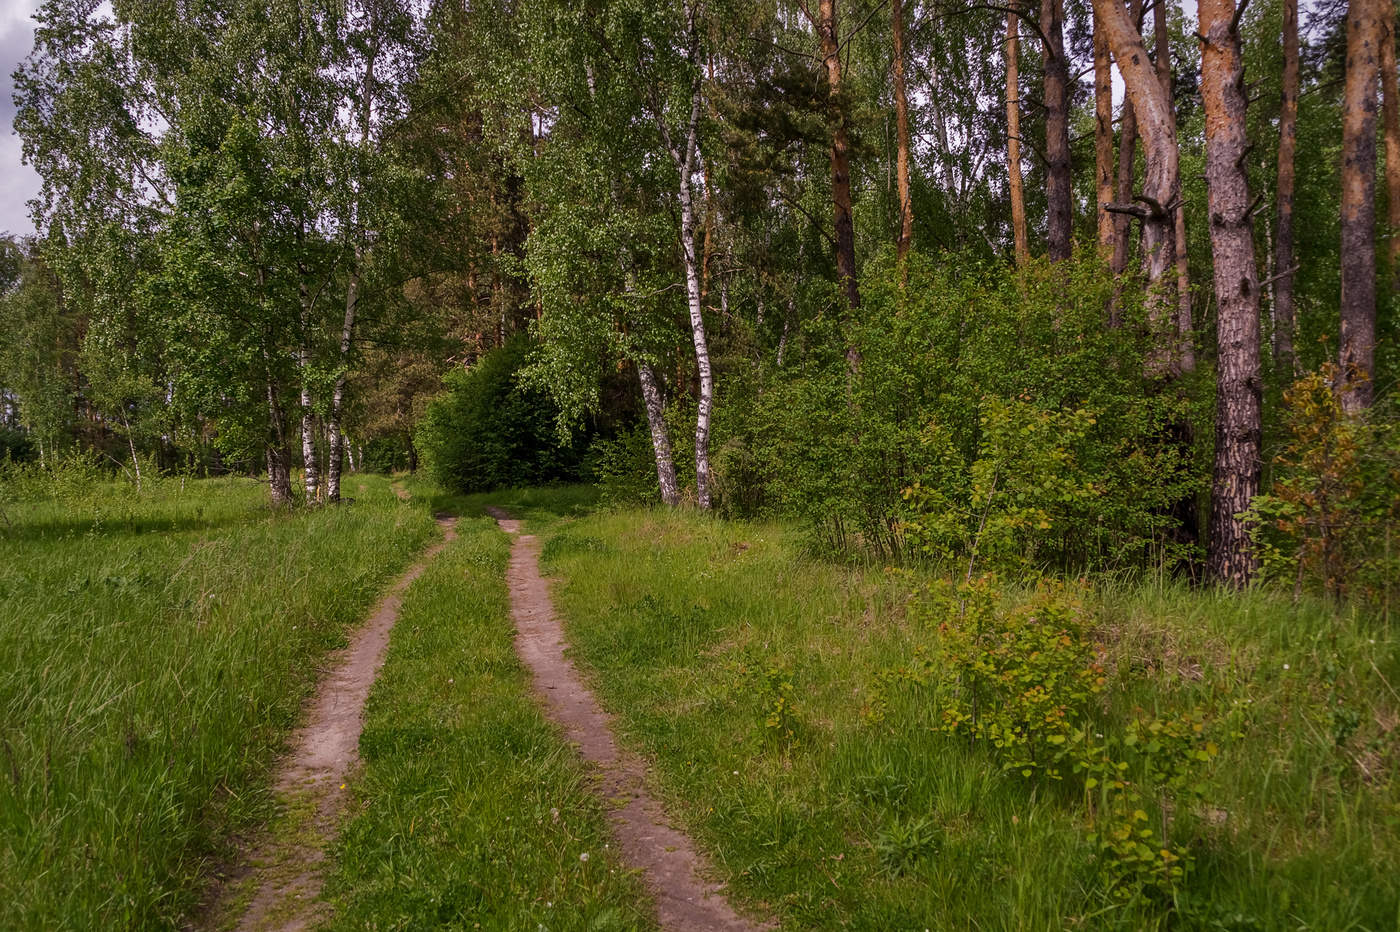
(583, 857)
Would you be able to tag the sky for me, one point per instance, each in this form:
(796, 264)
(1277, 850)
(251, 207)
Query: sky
(18, 182)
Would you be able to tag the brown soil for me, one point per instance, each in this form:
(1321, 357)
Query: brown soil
(671, 867)
(283, 873)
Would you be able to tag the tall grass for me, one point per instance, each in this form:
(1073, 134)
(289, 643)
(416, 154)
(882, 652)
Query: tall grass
(743, 668)
(155, 650)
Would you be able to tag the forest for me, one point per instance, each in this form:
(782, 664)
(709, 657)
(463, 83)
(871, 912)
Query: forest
(961, 440)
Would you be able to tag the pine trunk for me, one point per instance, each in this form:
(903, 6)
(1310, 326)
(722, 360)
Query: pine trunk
(1059, 183)
(1283, 308)
(1237, 422)
(1103, 139)
(1365, 31)
(1185, 352)
(840, 159)
(1157, 124)
(1015, 186)
(901, 122)
(1390, 89)
(1127, 157)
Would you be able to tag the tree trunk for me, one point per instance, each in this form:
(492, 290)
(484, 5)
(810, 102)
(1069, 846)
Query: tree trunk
(1103, 139)
(1283, 310)
(1365, 31)
(1157, 124)
(1127, 155)
(279, 474)
(1237, 420)
(901, 123)
(1015, 185)
(308, 436)
(660, 439)
(1390, 88)
(1059, 183)
(1185, 360)
(685, 157)
(336, 443)
(838, 120)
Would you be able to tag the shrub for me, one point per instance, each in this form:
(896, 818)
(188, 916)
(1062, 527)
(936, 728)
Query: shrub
(1328, 523)
(993, 414)
(488, 431)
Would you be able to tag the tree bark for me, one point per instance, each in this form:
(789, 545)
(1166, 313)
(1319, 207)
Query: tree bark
(1185, 347)
(1059, 186)
(1103, 139)
(660, 439)
(901, 123)
(336, 439)
(685, 155)
(825, 24)
(336, 443)
(1365, 29)
(310, 474)
(1157, 125)
(1016, 186)
(1390, 89)
(279, 474)
(1127, 156)
(1283, 307)
(1237, 422)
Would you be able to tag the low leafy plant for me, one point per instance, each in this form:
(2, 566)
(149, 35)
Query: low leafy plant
(1327, 523)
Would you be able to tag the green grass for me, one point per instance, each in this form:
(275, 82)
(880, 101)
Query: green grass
(691, 627)
(471, 810)
(155, 650)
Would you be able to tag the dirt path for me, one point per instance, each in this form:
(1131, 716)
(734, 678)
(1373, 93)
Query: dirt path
(283, 874)
(671, 866)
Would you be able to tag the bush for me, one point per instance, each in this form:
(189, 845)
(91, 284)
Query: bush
(1328, 523)
(487, 431)
(995, 419)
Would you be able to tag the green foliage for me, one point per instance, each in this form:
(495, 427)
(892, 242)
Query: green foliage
(1025, 682)
(994, 418)
(1326, 524)
(489, 431)
(1020, 680)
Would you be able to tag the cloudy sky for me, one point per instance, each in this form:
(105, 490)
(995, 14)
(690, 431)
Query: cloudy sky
(18, 183)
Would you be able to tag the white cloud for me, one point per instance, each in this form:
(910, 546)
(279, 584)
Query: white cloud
(20, 181)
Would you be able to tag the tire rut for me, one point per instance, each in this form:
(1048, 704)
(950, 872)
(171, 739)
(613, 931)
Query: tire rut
(673, 869)
(284, 872)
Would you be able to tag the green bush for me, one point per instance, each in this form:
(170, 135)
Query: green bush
(1329, 522)
(995, 419)
(487, 431)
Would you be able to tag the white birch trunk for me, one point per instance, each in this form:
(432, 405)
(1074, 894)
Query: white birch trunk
(697, 318)
(336, 441)
(685, 158)
(660, 439)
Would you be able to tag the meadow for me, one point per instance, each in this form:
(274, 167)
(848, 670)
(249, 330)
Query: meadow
(796, 712)
(155, 650)
(805, 720)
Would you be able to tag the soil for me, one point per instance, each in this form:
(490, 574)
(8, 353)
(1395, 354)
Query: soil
(672, 868)
(283, 873)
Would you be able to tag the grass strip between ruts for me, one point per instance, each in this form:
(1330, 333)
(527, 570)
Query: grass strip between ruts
(470, 811)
